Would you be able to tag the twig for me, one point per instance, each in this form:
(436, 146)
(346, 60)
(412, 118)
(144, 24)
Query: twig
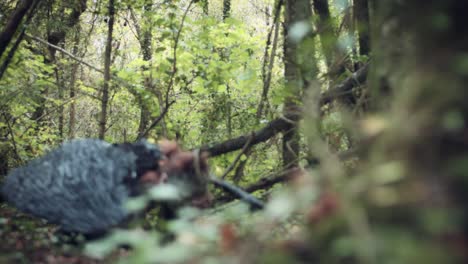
(264, 183)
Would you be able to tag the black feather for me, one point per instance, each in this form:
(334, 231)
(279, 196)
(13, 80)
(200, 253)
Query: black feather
(82, 185)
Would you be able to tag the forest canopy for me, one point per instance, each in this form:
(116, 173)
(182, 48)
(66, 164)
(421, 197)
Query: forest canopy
(346, 119)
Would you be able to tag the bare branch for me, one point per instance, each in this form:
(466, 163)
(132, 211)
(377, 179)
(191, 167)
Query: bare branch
(255, 204)
(264, 183)
(271, 129)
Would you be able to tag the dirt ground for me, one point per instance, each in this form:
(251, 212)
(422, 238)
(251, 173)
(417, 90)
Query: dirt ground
(24, 239)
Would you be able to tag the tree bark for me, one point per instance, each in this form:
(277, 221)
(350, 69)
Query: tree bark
(11, 53)
(361, 13)
(328, 39)
(226, 9)
(107, 73)
(5, 148)
(20, 37)
(55, 36)
(325, 29)
(13, 23)
(296, 74)
(60, 84)
(205, 6)
(269, 58)
(74, 72)
(146, 46)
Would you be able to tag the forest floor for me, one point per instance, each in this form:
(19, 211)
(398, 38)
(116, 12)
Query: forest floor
(24, 239)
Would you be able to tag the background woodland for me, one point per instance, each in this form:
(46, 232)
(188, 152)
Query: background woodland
(347, 117)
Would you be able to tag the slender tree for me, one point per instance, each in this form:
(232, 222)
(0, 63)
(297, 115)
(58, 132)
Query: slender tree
(72, 92)
(205, 6)
(361, 14)
(14, 22)
(226, 9)
(269, 57)
(56, 34)
(145, 36)
(297, 72)
(107, 71)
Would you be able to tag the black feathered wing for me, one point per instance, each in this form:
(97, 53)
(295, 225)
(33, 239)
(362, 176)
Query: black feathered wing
(78, 186)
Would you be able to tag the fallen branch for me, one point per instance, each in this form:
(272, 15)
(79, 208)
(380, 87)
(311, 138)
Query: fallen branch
(264, 183)
(269, 181)
(270, 130)
(238, 193)
(346, 86)
(283, 123)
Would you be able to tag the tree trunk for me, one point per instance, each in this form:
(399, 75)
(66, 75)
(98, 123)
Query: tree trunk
(74, 72)
(11, 52)
(329, 39)
(13, 23)
(361, 14)
(296, 74)
(269, 59)
(4, 147)
(61, 112)
(55, 36)
(205, 6)
(226, 9)
(107, 73)
(325, 29)
(146, 46)
(145, 37)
